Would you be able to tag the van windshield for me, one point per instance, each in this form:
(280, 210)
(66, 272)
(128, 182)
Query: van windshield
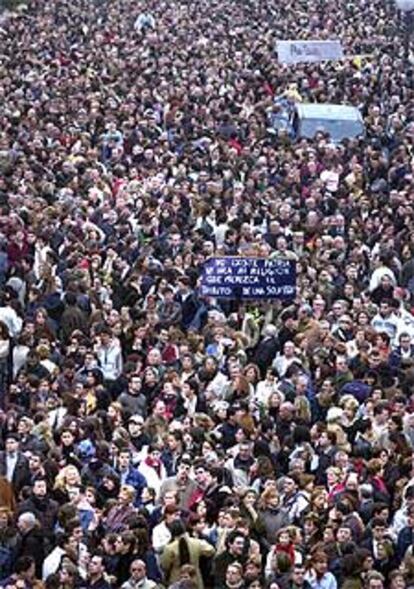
(337, 129)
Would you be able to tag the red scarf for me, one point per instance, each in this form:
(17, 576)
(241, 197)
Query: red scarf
(289, 550)
(155, 464)
(379, 483)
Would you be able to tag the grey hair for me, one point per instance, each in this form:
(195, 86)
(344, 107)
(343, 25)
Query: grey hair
(28, 518)
(366, 490)
(270, 330)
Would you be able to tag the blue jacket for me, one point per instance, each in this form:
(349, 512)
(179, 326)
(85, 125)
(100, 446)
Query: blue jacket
(138, 481)
(405, 539)
(395, 358)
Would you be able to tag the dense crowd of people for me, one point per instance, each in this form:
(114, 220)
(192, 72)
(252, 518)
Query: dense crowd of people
(154, 437)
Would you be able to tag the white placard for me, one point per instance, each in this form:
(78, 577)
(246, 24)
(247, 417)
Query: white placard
(291, 52)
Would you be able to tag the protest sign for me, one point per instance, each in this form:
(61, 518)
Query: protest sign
(249, 278)
(291, 52)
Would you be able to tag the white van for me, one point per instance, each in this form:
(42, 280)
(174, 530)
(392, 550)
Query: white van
(340, 121)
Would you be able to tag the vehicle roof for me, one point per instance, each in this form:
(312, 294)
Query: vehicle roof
(328, 112)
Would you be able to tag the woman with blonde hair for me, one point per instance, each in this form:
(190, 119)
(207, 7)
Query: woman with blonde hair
(66, 480)
(349, 417)
(303, 409)
(335, 479)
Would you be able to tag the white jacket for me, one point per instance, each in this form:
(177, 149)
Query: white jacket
(52, 562)
(161, 536)
(12, 320)
(110, 360)
(151, 476)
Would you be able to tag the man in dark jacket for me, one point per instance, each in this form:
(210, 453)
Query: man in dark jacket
(402, 354)
(96, 573)
(266, 349)
(187, 301)
(28, 442)
(43, 508)
(132, 400)
(169, 311)
(72, 318)
(235, 552)
(98, 467)
(30, 541)
(14, 466)
(325, 454)
(406, 535)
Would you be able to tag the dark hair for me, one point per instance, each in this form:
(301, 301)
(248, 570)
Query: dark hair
(177, 529)
(152, 492)
(142, 541)
(378, 522)
(344, 508)
(283, 562)
(100, 554)
(39, 478)
(70, 298)
(216, 472)
(301, 434)
(125, 450)
(72, 525)
(352, 564)
(232, 536)
(176, 434)
(193, 384)
(128, 537)
(52, 581)
(61, 538)
(23, 564)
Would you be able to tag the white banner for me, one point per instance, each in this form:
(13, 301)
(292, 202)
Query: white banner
(290, 52)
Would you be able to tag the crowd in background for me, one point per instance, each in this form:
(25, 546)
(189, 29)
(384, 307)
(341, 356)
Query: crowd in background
(154, 437)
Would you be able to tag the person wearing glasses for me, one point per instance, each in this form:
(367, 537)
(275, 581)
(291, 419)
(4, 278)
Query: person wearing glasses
(138, 578)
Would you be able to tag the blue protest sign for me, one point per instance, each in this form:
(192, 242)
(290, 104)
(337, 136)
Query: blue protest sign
(248, 278)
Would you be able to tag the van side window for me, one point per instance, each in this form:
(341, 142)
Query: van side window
(295, 122)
